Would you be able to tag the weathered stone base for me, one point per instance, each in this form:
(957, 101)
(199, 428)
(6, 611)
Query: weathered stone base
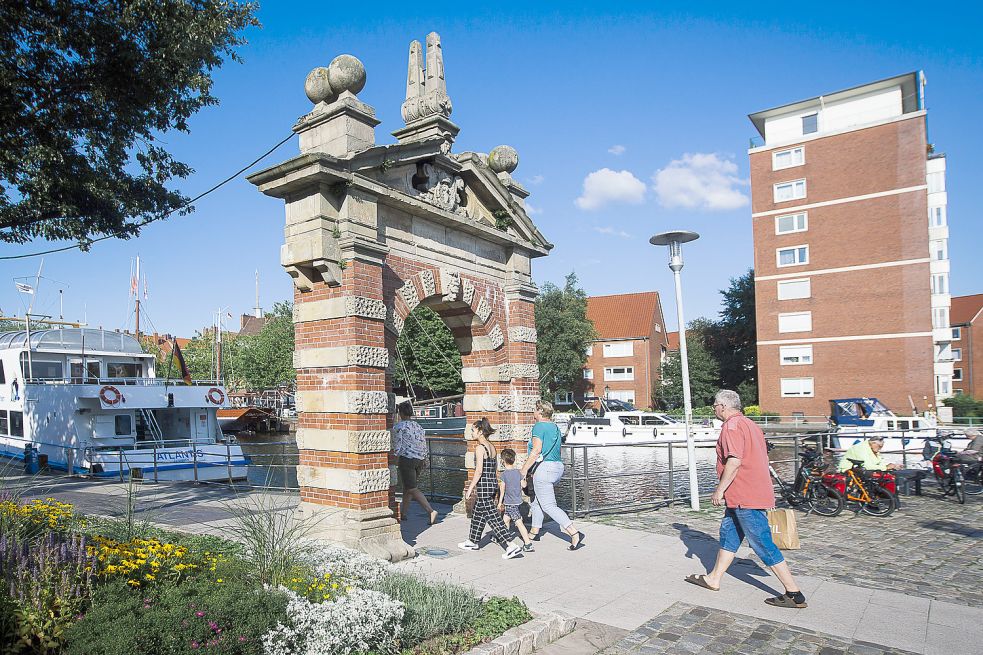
(372, 531)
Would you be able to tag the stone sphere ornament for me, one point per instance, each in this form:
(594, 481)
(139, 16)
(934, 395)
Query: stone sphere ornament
(317, 87)
(503, 159)
(346, 73)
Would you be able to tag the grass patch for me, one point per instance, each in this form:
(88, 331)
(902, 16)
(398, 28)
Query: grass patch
(496, 616)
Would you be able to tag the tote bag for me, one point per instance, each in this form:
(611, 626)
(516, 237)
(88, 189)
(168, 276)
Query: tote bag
(784, 531)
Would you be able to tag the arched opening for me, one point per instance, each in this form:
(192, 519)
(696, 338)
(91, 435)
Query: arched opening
(428, 363)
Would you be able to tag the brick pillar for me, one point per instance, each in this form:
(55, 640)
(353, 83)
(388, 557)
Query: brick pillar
(343, 406)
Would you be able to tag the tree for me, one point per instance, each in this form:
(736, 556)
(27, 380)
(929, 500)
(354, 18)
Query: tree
(429, 355)
(704, 372)
(264, 360)
(735, 339)
(564, 332)
(86, 88)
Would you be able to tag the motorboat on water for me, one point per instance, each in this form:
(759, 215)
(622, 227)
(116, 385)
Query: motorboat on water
(440, 417)
(619, 422)
(855, 419)
(90, 402)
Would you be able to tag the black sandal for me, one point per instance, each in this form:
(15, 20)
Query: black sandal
(580, 542)
(785, 600)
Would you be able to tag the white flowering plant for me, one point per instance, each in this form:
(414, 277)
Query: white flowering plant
(358, 622)
(356, 568)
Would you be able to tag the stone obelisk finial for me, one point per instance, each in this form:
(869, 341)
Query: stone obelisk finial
(427, 108)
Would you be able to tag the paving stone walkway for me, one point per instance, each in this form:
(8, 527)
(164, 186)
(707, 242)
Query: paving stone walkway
(929, 548)
(684, 629)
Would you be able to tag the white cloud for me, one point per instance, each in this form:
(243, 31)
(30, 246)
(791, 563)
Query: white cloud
(704, 181)
(607, 229)
(616, 149)
(531, 210)
(536, 179)
(606, 186)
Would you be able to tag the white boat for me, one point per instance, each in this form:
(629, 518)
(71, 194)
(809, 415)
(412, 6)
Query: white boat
(89, 400)
(855, 419)
(621, 423)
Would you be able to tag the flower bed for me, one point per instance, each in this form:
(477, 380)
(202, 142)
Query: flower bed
(71, 585)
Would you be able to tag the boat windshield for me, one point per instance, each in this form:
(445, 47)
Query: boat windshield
(619, 405)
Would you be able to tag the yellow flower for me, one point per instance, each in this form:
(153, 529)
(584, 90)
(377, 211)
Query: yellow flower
(219, 580)
(133, 583)
(148, 577)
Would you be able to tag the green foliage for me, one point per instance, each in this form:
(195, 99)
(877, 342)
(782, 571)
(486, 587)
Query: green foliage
(752, 410)
(735, 342)
(265, 360)
(501, 614)
(564, 333)
(704, 372)
(502, 219)
(88, 88)
(228, 618)
(432, 608)
(964, 406)
(275, 541)
(429, 354)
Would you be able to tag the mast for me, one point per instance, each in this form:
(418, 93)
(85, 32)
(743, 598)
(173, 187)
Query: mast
(27, 320)
(257, 310)
(137, 294)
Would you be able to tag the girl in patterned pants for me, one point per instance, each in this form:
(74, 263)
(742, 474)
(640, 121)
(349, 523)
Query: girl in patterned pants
(485, 487)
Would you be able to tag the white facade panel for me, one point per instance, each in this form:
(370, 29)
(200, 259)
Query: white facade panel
(879, 105)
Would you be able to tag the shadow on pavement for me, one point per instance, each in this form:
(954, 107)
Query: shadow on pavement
(704, 547)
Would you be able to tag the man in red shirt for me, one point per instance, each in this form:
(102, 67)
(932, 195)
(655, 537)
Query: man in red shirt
(746, 489)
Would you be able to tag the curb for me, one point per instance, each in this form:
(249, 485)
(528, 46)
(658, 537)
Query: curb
(543, 629)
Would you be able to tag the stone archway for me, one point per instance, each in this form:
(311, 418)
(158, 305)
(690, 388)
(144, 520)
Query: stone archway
(372, 232)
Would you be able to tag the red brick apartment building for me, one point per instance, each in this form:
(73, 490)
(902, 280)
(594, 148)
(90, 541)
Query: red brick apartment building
(624, 361)
(850, 251)
(967, 345)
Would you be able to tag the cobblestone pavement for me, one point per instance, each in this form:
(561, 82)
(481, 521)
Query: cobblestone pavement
(684, 629)
(929, 548)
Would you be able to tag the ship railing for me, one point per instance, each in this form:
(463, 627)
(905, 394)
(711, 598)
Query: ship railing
(128, 382)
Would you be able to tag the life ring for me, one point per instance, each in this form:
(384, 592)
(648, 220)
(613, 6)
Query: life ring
(104, 395)
(215, 396)
(624, 432)
(655, 432)
(574, 430)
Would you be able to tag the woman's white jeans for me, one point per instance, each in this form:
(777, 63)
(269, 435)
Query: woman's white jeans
(547, 474)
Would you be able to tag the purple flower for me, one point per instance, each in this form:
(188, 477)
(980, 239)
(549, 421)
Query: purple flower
(242, 640)
(199, 614)
(195, 645)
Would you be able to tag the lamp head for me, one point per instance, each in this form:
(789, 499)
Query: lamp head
(674, 239)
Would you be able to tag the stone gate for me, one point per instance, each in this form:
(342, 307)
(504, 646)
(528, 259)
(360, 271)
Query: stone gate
(373, 231)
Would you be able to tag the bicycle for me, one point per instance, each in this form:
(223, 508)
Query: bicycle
(862, 487)
(948, 470)
(808, 488)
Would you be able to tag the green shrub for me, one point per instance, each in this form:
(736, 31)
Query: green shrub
(227, 619)
(752, 410)
(964, 406)
(432, 608)
(770, 414)
(274, 536)
(500, 614)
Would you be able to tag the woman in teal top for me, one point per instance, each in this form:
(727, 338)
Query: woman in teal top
(544, 447)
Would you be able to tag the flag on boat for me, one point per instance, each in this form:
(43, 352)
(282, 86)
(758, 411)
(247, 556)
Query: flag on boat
(24, 288)
(181, 366)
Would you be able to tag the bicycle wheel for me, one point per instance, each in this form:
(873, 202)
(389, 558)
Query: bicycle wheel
(824, 500)
(958, 488)
(973, 480)
(882, 504)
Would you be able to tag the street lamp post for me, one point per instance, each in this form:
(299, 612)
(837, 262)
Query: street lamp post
(675, 240)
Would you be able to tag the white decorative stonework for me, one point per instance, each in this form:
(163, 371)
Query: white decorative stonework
(428, 282)
(514, 432)
(450, 285)
(495, 338)
(368, 356)
(468, 291)
(508, 372)
(350, 402)
(345, 441)
(356, 482)
(365, 307)
(522, 333)
(483, 311)
(368, 402)
(410, 295)
(512, 403)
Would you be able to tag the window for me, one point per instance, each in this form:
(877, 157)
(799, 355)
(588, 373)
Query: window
(590, 350)
(122, 370)
(940, 317)
(957, 374)
(810, 124)
(788, 158)
(939, 249)
(936, 181)
(795, 355)
(124, 425)
(620, 349)
(3, 378)
(797, 388)
(957, 392)
(957, 354)
(17, 424)
(588, 374)
(76, 372)
(623, 396)
(619, 373)
(795, 322)
(658, 328)
(563, 398)
(940, 283)
(943, 352)
(794, 289)
(942, 385)
(794, 256)
(791, 223)
(936, 216)
(39, 368)
(4, 425)
(790, 190)
(957, 334)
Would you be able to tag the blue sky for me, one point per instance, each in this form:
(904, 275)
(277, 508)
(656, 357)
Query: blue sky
(634, 88)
